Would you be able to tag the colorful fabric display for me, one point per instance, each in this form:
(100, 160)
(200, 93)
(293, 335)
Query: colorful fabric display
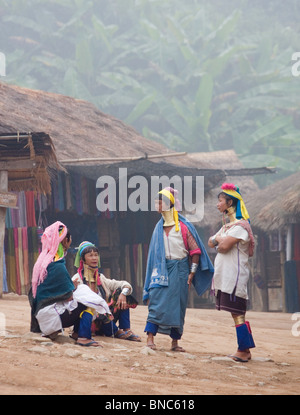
(5, 289)
(21, 252)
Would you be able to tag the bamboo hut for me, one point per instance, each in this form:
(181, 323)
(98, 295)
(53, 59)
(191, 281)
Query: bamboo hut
(88, 144)
(25, 164)
(276, 220)
(29, 158)
(84, 136)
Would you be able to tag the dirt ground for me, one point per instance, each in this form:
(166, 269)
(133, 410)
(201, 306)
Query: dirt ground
(31, 364)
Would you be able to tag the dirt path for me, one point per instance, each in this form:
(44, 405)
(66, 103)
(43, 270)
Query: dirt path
(31, 365)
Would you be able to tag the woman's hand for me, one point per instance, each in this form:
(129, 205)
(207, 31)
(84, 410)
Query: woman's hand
(190, 278)
(122, 302)
(210, 242)
(225, 244)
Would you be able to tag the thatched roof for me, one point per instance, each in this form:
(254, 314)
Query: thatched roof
(28, 158)
(93, 143)
(229, 162)
(77, 128)
(81, 131)
(277, 205)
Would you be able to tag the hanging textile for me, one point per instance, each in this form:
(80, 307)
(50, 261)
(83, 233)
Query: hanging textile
(138, 264)
(61, 193)
(15, 215)
(78, 193)
(133, 267)
(21, 253)
(5, 289)
(17, 222)
(296, 235)
(10, 260)
(8, 219)
(54, 195)
(84, 195)
(127, 273)
(21, 261)
(145, 256)
(25, 260)
(24, 215)
(139, 270)
(30, 209)
(22, 210)
(73, 192)
(33, 243)
(68, 192)
(92, 197)
(291, 287)
(289, 243)
(16, 244)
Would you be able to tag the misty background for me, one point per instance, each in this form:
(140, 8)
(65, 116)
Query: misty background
(193, 75)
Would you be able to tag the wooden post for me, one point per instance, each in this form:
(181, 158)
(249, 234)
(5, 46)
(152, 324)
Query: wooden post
(3, 187)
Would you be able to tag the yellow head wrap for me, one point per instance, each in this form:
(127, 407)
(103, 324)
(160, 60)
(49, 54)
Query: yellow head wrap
(171, 197)
(232, 190)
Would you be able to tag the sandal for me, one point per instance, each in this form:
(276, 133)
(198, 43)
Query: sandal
(178, 349)
(237, 359)
(133, 337)
(91, 343)
(122, 335)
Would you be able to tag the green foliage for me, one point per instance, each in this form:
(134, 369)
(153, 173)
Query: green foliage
(194, 75)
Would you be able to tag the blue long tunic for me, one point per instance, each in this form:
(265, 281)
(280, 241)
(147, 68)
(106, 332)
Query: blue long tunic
(166, 281)
(167, 305)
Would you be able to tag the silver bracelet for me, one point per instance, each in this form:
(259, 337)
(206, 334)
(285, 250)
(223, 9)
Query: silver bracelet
(214, 242)
(194, 267)
(125, 291)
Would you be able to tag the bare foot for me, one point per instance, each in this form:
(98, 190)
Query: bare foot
(150, 341)
(151, 346)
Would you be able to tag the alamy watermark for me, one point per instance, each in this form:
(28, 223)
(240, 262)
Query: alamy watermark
(2, 64)
(137, 193)
(296, 326)
(296, 65)
(2, 325)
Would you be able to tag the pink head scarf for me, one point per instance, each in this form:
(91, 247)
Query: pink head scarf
(51, 238)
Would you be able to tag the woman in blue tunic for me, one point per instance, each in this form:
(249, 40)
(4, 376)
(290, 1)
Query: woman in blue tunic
(176, 259)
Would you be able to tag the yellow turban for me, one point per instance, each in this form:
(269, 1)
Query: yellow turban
(232, 190)
(171, 197)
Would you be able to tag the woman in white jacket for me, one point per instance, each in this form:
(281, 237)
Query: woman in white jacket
(116, 293)
(234, 244)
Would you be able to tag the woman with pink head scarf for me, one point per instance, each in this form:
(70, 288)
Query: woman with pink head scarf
(55, 243)
(54, 303)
